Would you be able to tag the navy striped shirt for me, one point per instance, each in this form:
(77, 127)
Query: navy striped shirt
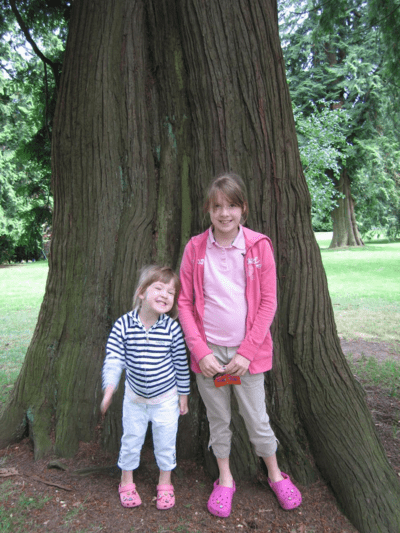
(155, 360)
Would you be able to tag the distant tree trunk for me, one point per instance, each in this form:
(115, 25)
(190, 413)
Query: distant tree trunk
(345, 230)
(156, 98)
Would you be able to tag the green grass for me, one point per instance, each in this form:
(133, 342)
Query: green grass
(17, 516)
(364, 284)
(17, 519)
(21, 293)
(385, 374)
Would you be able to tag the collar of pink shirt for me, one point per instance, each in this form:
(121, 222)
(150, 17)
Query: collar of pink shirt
(238, 243)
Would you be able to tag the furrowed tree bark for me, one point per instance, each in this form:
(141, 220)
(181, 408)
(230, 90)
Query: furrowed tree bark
(156, 98)
(345, 229)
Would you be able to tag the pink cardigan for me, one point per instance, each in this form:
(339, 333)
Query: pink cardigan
(260, 296)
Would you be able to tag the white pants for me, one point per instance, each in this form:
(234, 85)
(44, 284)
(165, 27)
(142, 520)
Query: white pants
(135, 419)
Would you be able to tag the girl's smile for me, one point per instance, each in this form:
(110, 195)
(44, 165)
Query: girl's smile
(158, 298)
(225, 218)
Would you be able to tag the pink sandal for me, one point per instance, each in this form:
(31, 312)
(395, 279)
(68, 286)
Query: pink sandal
(129, 496)
(220, 500)
(165, 496)
(288, 494)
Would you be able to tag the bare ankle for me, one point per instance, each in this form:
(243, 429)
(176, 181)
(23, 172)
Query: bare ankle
(276, 477)
(165, 477)
(126, 478)
(226, 481)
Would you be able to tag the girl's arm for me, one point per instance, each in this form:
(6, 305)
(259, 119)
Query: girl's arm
(267, 308)
(107, 398)
(197, 345)
(182, 374)
(179, 360)
(114, 363)
(183, 405)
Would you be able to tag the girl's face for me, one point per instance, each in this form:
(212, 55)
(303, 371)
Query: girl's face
(225, 217)
(158, 298)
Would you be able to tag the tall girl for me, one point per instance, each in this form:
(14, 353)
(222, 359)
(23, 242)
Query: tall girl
(226, 306)
(148, 344)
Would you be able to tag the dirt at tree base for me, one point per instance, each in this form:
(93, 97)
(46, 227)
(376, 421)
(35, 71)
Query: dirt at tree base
(90, 503)
(359, 348)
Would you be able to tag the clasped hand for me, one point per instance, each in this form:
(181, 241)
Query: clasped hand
(238, 365)
(209, 366)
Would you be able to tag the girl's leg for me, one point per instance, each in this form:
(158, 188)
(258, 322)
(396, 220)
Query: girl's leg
(274, 472)
(251, 400)
(225, 475)
(126, 477)
(165, 491)
(128, 494)
(164, 418)
(288, 495)
(165, 477)
(134, 421)
(218, 406)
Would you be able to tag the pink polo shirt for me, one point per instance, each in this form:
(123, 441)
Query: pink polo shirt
(225, 306)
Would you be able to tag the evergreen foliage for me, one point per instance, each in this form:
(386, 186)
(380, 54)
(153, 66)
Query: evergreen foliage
(338, 52)
(322, 143)
(28, 90)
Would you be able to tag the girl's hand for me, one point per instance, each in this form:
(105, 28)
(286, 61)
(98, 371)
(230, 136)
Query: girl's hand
(238, 366)
(209, 366)
(107, 398)
(183, 405)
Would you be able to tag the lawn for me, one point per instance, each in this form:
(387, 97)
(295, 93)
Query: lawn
(364, 284)
(21, 293)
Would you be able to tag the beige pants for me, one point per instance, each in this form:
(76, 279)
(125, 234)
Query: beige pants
(250, 396)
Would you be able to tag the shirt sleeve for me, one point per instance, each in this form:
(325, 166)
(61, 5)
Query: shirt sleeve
(179, 360)
(197, 345)
(257, 333)
(114, 362)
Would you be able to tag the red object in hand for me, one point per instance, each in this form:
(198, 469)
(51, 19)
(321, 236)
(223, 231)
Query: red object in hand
(220, 380)
(234, 380)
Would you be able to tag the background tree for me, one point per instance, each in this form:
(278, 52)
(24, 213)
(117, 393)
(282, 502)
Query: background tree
(377, 181)
(322, 144)
(337, 53)
(155, 99)
(33, 39)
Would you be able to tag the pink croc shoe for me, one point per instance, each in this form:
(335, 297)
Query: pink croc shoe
(165, 496)
(129, 496)
(288, 494)
(220, 500)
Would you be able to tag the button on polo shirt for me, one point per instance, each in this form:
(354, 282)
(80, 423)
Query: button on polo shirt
(225, 306)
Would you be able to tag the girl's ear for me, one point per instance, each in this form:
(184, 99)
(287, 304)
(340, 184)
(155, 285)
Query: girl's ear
(140, 294)
(245, 211)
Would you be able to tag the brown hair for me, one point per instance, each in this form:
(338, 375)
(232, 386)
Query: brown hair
(232, 186)
(149, 275)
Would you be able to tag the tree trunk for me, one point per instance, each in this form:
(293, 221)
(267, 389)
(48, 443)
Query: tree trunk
(156, 98)
(345, 230)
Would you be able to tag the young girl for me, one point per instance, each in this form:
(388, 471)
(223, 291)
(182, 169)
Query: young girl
(148, 344)
(226, 306)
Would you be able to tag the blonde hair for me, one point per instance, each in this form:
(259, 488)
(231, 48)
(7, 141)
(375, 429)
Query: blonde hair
(232, 186)
(151, 274)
